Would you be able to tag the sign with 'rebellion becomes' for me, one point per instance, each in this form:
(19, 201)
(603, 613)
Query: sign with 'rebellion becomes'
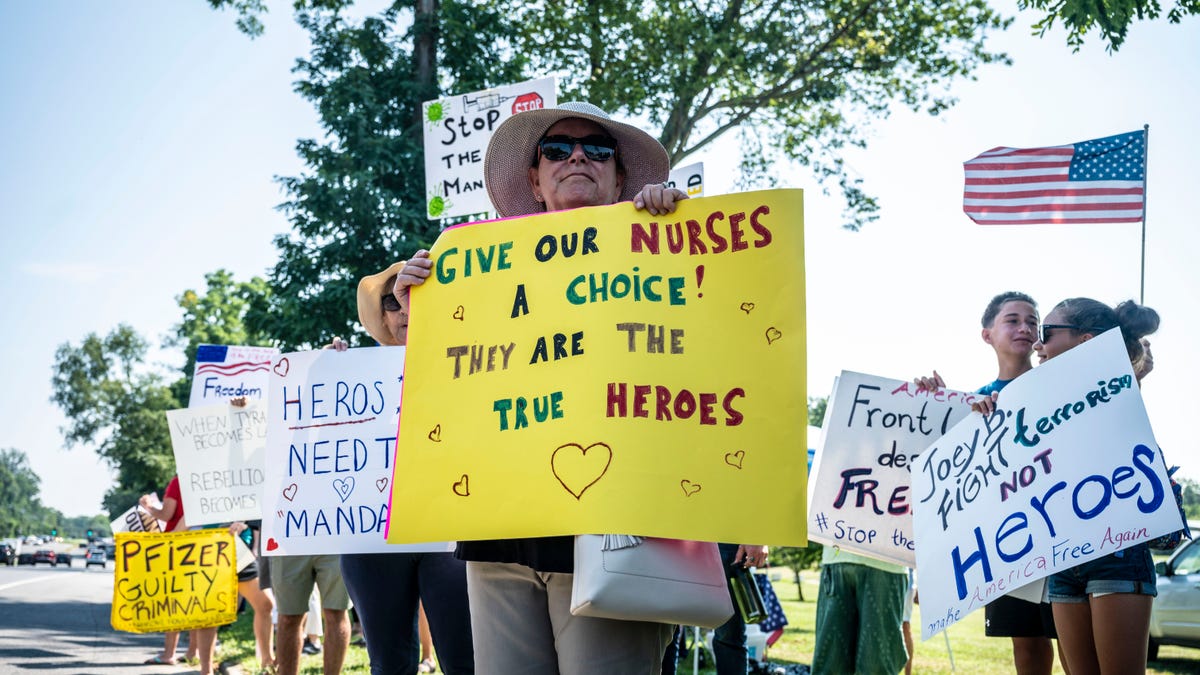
(1065, 471)
(606, 370)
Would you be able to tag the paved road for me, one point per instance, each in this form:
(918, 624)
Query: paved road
(56, 620)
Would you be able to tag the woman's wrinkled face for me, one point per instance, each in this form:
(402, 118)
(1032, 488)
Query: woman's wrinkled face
(575, 181)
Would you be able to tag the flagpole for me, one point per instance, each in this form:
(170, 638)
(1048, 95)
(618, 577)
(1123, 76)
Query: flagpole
(1145, 189)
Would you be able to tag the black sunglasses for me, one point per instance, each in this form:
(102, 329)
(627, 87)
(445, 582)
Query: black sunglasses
(390, 303)
(596, 147)
(1046, 328)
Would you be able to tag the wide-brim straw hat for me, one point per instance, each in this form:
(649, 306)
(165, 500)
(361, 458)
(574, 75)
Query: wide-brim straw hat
(370, 303)
(511, 151)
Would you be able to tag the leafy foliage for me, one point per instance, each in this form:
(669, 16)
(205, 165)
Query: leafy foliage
(20, 510)
(222, 316)
(1111, 17)
(111, 400)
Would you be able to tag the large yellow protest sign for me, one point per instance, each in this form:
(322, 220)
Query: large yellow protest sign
(174, 581)
(606, 370)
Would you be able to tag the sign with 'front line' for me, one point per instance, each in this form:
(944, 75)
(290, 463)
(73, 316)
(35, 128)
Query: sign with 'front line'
(859, 495)
(1066, 470)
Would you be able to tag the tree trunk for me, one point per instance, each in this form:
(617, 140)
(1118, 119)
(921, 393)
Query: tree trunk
(425, 43)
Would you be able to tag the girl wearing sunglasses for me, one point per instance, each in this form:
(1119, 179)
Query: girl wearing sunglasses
(1102, 607)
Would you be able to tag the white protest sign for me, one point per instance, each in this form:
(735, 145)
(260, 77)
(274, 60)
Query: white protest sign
(1065, 471)
(137, 519)
(457, 131)
(859, 498)
(219, 451)
(331, 441)
(688, 178)
(224, 372)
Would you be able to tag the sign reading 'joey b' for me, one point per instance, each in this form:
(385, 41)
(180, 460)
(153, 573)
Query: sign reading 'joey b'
(860, 497)
(1065, 471)
(331, 440)
(606, 370)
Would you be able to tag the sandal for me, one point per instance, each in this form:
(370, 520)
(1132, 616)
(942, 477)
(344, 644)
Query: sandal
(426, 666)
(157, 660)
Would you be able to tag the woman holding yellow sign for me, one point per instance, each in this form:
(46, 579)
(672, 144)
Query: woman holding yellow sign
(554, 159)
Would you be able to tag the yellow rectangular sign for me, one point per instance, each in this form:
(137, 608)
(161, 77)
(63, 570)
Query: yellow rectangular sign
(606, 370)
(174, 581)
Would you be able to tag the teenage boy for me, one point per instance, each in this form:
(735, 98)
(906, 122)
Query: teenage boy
(1010, 326)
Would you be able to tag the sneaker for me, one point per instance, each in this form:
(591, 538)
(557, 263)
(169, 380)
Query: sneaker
(310, 648)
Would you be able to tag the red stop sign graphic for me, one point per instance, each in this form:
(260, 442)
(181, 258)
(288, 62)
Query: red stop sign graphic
(530, 101)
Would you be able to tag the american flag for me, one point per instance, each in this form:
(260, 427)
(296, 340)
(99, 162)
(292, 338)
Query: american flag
(1097, 181)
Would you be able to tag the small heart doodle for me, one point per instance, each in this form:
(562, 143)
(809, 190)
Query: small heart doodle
(436, 434)
(734, 459)
(747, 307)
(689, 488)
(381, 484)
(281, 368)
(289, 492)
(272, 544)
(459, 312)
(773, 334)
(462, 488)
(576, 470)
(343, 487)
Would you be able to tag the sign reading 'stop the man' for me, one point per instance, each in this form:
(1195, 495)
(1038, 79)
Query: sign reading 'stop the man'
(457, 132)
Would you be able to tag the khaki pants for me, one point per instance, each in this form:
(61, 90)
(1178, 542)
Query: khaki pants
(522, 625)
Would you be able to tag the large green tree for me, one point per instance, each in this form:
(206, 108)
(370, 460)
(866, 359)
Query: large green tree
(799, 79)
(113, 400)
(223, 315)
(21, 512)
(1111, 17)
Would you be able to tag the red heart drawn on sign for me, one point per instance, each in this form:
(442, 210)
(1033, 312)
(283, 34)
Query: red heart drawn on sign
(773, 334)
(272, 544)
(689, 488)
(576, 469)
(281, 368)
(381, 484)
(289, 492)
(463, 487)
(734, 459)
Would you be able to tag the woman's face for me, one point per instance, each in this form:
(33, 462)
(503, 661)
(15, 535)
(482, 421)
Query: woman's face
(1060, 339)
(575, 181)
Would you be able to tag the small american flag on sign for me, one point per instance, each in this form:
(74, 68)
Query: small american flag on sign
(1097, 181)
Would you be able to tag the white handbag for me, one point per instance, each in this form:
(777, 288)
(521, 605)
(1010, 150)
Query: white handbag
(670, 581)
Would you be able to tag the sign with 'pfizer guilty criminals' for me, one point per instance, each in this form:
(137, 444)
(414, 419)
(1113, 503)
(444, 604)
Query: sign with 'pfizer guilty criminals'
(1066, 470)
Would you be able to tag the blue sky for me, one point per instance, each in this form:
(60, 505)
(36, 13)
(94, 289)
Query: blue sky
(141, 141)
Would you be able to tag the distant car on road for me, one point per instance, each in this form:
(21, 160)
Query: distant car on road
(8, 554)
(1175, 614)
(63, 558)
(95, 556)
(45, 555)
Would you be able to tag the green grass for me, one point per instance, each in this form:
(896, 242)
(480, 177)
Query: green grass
(973, 653)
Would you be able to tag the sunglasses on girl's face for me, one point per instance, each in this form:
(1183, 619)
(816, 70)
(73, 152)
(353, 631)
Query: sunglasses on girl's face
(390, 303)
(1047, 327)
(596, 147)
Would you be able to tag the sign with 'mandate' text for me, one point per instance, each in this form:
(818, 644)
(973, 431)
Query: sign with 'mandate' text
(331, 441)
(1065, 471)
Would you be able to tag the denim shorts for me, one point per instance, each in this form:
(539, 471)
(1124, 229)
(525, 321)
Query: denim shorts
(1127, 571)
